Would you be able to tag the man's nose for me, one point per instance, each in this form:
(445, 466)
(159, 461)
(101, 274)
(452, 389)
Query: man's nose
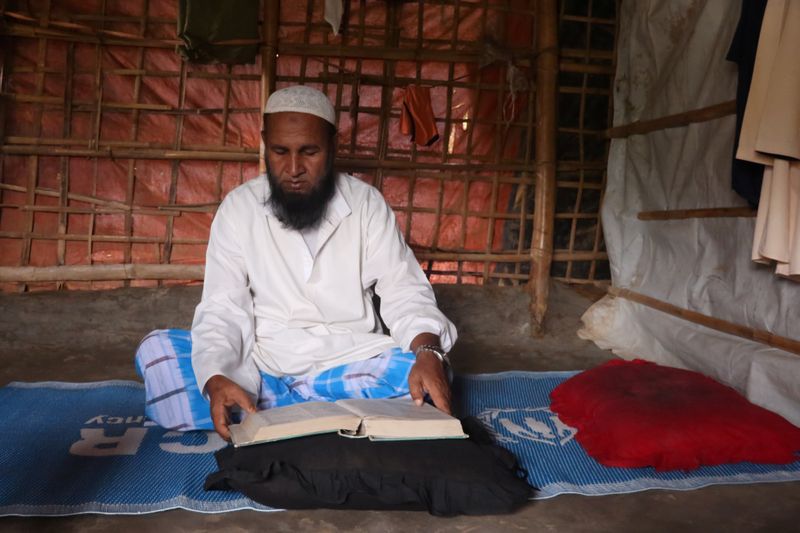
(297, 166)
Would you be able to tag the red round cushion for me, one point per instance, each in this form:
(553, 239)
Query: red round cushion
(637, 413)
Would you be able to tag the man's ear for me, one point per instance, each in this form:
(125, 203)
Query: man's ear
(264, 119)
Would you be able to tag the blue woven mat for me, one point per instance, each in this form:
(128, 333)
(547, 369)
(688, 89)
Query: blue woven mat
(86, 448)
(516, 406)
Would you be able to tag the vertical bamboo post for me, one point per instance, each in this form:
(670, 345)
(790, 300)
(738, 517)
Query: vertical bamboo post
(269, 50)
(5, 44)
(545, 151)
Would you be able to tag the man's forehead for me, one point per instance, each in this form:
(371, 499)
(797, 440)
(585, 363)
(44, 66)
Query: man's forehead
(285, 126)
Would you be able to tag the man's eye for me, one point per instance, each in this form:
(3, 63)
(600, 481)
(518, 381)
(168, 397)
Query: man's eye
(313, 151)
(279, 151)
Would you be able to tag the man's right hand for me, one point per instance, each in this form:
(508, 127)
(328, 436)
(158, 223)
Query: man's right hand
(224, 394)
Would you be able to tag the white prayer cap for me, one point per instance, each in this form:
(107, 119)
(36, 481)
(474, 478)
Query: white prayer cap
(301, 99)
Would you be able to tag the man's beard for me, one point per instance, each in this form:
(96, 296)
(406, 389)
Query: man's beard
(301, 211)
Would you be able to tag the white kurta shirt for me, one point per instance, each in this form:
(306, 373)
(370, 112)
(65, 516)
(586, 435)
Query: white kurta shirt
(269, 304)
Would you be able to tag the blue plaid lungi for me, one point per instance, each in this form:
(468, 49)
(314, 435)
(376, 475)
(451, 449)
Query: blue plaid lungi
(174, 401)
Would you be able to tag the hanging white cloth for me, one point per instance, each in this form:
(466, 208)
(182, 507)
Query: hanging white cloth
(771, 136)
(333, 14)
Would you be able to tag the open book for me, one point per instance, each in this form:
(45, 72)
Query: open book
(394, 419)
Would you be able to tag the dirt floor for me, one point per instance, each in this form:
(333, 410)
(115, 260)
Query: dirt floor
(88, 336)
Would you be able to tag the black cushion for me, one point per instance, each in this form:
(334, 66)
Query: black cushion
(445, 477)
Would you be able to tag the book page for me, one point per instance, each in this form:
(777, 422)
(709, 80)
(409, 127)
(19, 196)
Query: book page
(293, 421)
(291, 413)
(401, 418)
(401, 408)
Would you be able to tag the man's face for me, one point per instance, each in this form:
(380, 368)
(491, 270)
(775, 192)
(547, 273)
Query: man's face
(299, 157)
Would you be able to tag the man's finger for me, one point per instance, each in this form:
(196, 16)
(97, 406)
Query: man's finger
(440, 394)
(415, 388)
(239, 397)
(219, 416)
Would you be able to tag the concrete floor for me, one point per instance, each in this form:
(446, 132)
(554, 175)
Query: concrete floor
(87, 336)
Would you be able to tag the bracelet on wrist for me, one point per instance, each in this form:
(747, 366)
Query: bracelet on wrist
(440, 354)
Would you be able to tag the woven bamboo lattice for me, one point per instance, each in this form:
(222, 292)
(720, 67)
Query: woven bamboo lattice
(115, 151)
(587, 37)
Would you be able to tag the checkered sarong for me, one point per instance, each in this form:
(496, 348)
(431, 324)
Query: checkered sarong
(173, 400)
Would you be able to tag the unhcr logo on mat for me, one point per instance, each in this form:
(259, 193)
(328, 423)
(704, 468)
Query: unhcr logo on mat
(538, 424)
(105, 435)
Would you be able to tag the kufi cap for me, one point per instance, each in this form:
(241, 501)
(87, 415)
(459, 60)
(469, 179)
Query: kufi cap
(301, 99)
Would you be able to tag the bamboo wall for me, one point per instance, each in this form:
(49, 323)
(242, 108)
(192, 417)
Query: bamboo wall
(116, 152)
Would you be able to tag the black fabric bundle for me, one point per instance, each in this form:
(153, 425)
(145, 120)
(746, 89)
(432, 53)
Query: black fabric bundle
(445, 477)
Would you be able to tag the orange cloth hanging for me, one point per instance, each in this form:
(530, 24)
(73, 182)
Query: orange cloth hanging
(417, 118)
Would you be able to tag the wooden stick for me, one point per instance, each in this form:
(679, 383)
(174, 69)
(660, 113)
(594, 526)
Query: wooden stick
(166, 251)
(107, 151)
(580, 281)
(558, 255)
(143, 72)
(681, 214)
(127, 153)
(33, 175)
(578, 255)
(21, 30)
(583, 68)
(95, 210)
(381, 52)
(72, 196)
(111, 145)
(120, 18)
(135, 116)
(64, 175)
(586, 53)
(419, 54)
(101, 272)
(545, 153)
(91, 237)
(718, 324)
(33, 98)
(269, 51)
(703, 114)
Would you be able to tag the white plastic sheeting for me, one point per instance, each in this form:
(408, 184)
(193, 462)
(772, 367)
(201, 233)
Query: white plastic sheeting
(671, 58)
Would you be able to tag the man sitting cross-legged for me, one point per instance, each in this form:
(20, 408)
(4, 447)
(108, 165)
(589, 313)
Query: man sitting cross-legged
(286, 314)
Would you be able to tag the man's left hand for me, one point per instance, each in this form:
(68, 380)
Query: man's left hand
(428, 376)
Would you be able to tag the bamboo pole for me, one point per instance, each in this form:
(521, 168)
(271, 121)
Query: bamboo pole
(129, 271)
(718, 324)
(545, 151)
(85, 105)
(128, 153)
(64, 174)
(107, 151)
(33, 174)
(189, 273)
(704, 114)
(269, 54)
(94, 238)
(682, 214)
(70, 33)
(4, 60)
(583, 281)
(143, 72)
(92, 210)
(77, 197)
(99, 37)
(558, 255)
(111, 145)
